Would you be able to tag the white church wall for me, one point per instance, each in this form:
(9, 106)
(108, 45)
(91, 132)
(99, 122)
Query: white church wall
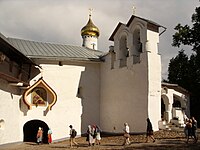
(154, 78)
(9, 113)
(140, 79)
(69, 109)
(90, 95)
(123, 97)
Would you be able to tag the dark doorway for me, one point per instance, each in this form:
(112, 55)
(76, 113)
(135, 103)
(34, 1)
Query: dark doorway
(30, 130)
(176, 103)
(162, 108)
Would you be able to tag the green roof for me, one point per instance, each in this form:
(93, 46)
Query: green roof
(50, 51)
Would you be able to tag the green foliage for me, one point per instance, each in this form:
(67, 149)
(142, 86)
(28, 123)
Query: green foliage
(187, 35)
(178, 70)
(182, 36)
(183, 70)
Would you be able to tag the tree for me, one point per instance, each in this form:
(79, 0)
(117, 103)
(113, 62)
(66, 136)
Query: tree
(184, 71)
(178, 70)
(187, 35)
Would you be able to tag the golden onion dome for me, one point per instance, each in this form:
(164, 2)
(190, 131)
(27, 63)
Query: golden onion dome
(90, 29)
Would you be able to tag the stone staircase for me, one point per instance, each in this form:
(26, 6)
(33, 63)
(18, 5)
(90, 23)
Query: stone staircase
(170, 126)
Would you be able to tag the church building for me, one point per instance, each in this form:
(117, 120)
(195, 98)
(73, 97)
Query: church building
(55, 85)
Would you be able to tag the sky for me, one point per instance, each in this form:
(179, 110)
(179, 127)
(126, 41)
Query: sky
(60, 21)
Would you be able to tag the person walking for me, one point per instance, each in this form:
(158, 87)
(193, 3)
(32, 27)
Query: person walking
(194, 129)
(49, 134)
(39, 136)
(98, 135)
(186, 127)
(149, 133)
(72, 134)
(126, 134)
(189, 129)
(90, 135)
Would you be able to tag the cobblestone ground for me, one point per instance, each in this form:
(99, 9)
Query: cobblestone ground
(164, 140)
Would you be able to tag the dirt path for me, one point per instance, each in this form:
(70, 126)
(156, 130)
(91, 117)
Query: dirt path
(164, 140)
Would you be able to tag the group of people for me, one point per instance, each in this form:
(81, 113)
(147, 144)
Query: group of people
(40, 136)
(149, 132)
(191, 129)
(93, 135)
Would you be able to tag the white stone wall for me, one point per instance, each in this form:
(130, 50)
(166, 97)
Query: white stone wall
(131, 92)
(64, 80)
(9, 113)
(154, 78)
(123, 97)
(69, 109)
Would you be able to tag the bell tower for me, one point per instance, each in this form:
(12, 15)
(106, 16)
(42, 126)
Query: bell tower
(90, 34)
(132, 76)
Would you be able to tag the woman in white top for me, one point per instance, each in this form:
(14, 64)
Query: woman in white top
(98, 134)
(126, 134)
(90, 135)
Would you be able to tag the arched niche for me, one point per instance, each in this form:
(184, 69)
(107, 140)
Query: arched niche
(138, 38)
(123, 49)
(138, 32)
(165, 107)
(40, 94)
(137, 44)
(178, 101)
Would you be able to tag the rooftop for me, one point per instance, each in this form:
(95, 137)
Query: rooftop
(33, 49)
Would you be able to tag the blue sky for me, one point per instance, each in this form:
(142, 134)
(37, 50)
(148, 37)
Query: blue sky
(60, 21)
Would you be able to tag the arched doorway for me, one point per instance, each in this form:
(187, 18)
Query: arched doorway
(178, 110)
(164, 108)
(30, 130)
(124, 51)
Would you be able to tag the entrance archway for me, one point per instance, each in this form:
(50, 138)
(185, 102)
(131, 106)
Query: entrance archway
(30, 130)
(162, 108)
(165, 108)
